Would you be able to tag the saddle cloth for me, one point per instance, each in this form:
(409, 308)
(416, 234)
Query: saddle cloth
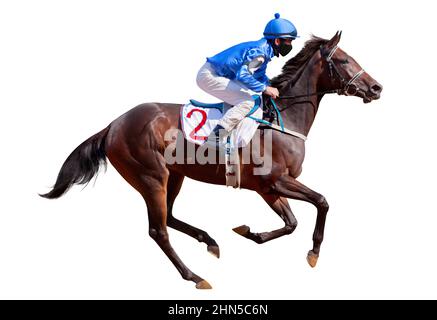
(199, 119)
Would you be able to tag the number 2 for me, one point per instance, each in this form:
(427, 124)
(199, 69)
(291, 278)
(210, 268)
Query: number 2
(199, 126)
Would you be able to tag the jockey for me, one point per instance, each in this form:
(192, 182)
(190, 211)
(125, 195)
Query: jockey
(237, 73)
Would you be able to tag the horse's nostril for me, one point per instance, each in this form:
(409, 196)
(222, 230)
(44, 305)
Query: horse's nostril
(376, 88)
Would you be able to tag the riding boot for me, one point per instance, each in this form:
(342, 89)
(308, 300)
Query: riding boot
(214, 137)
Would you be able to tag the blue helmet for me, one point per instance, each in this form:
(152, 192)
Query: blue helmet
(280, 28)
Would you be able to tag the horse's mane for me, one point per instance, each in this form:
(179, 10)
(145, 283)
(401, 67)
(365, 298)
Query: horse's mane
(290, 72)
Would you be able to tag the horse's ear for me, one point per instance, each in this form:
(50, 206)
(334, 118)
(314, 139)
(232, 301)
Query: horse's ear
(335, 40)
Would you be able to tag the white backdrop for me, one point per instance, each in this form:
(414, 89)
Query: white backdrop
(68, 68)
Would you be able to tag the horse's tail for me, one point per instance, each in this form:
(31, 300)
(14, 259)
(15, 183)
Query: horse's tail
(81, 165)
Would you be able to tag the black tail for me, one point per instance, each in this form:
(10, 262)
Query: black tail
(81, 165)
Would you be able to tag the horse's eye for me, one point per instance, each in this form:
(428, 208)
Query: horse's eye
(346, 61)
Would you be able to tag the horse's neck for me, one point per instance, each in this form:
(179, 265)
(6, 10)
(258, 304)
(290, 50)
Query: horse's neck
(301, 112)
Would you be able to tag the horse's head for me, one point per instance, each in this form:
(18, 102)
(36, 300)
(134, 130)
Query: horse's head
(341, 72)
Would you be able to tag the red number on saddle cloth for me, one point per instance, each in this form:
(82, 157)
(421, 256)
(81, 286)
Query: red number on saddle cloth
(199, 126)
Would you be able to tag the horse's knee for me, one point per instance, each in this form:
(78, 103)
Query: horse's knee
(158, 235)
(291, 226)
(322, 204)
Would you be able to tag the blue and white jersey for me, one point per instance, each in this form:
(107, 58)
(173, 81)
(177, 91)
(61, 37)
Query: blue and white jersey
(246, 62)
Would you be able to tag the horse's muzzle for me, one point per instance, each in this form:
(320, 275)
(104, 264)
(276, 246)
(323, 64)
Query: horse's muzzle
(376, 90)
(373, 92)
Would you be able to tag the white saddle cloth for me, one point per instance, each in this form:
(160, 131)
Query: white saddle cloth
(198, 122)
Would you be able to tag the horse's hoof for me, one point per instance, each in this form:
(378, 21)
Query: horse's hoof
(203, 285)
(242, 230)
(312, 258)
(214, 250)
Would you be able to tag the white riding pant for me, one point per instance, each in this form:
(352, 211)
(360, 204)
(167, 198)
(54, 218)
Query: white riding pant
(229, 91)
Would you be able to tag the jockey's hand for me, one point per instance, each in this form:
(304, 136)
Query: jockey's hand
(272, 92)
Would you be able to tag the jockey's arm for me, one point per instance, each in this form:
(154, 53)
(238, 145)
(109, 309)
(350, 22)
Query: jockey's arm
(260, 74)
(246, 75)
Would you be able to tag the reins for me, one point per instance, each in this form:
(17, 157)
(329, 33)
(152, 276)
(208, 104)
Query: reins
(333, 71)
(346, 85)
(319, 93)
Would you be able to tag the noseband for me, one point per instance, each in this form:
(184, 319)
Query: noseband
(345, 85)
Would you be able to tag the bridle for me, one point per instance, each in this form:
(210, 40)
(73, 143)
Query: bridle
(346, 85)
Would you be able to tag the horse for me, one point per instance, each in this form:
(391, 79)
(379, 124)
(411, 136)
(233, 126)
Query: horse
(134, 143)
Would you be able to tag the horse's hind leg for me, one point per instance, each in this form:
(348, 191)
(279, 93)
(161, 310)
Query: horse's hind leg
(157, 211)
(151, 183)
(174, 185)
(281, 207)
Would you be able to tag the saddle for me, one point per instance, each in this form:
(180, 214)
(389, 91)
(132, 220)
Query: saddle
(270, 113)
(198, 119)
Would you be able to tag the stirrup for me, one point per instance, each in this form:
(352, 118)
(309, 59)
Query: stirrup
(215, 142)
(215, 139)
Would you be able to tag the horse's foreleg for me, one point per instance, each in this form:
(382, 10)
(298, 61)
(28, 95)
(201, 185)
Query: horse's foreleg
(281, 207)
(291, 188)
(174, 185)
